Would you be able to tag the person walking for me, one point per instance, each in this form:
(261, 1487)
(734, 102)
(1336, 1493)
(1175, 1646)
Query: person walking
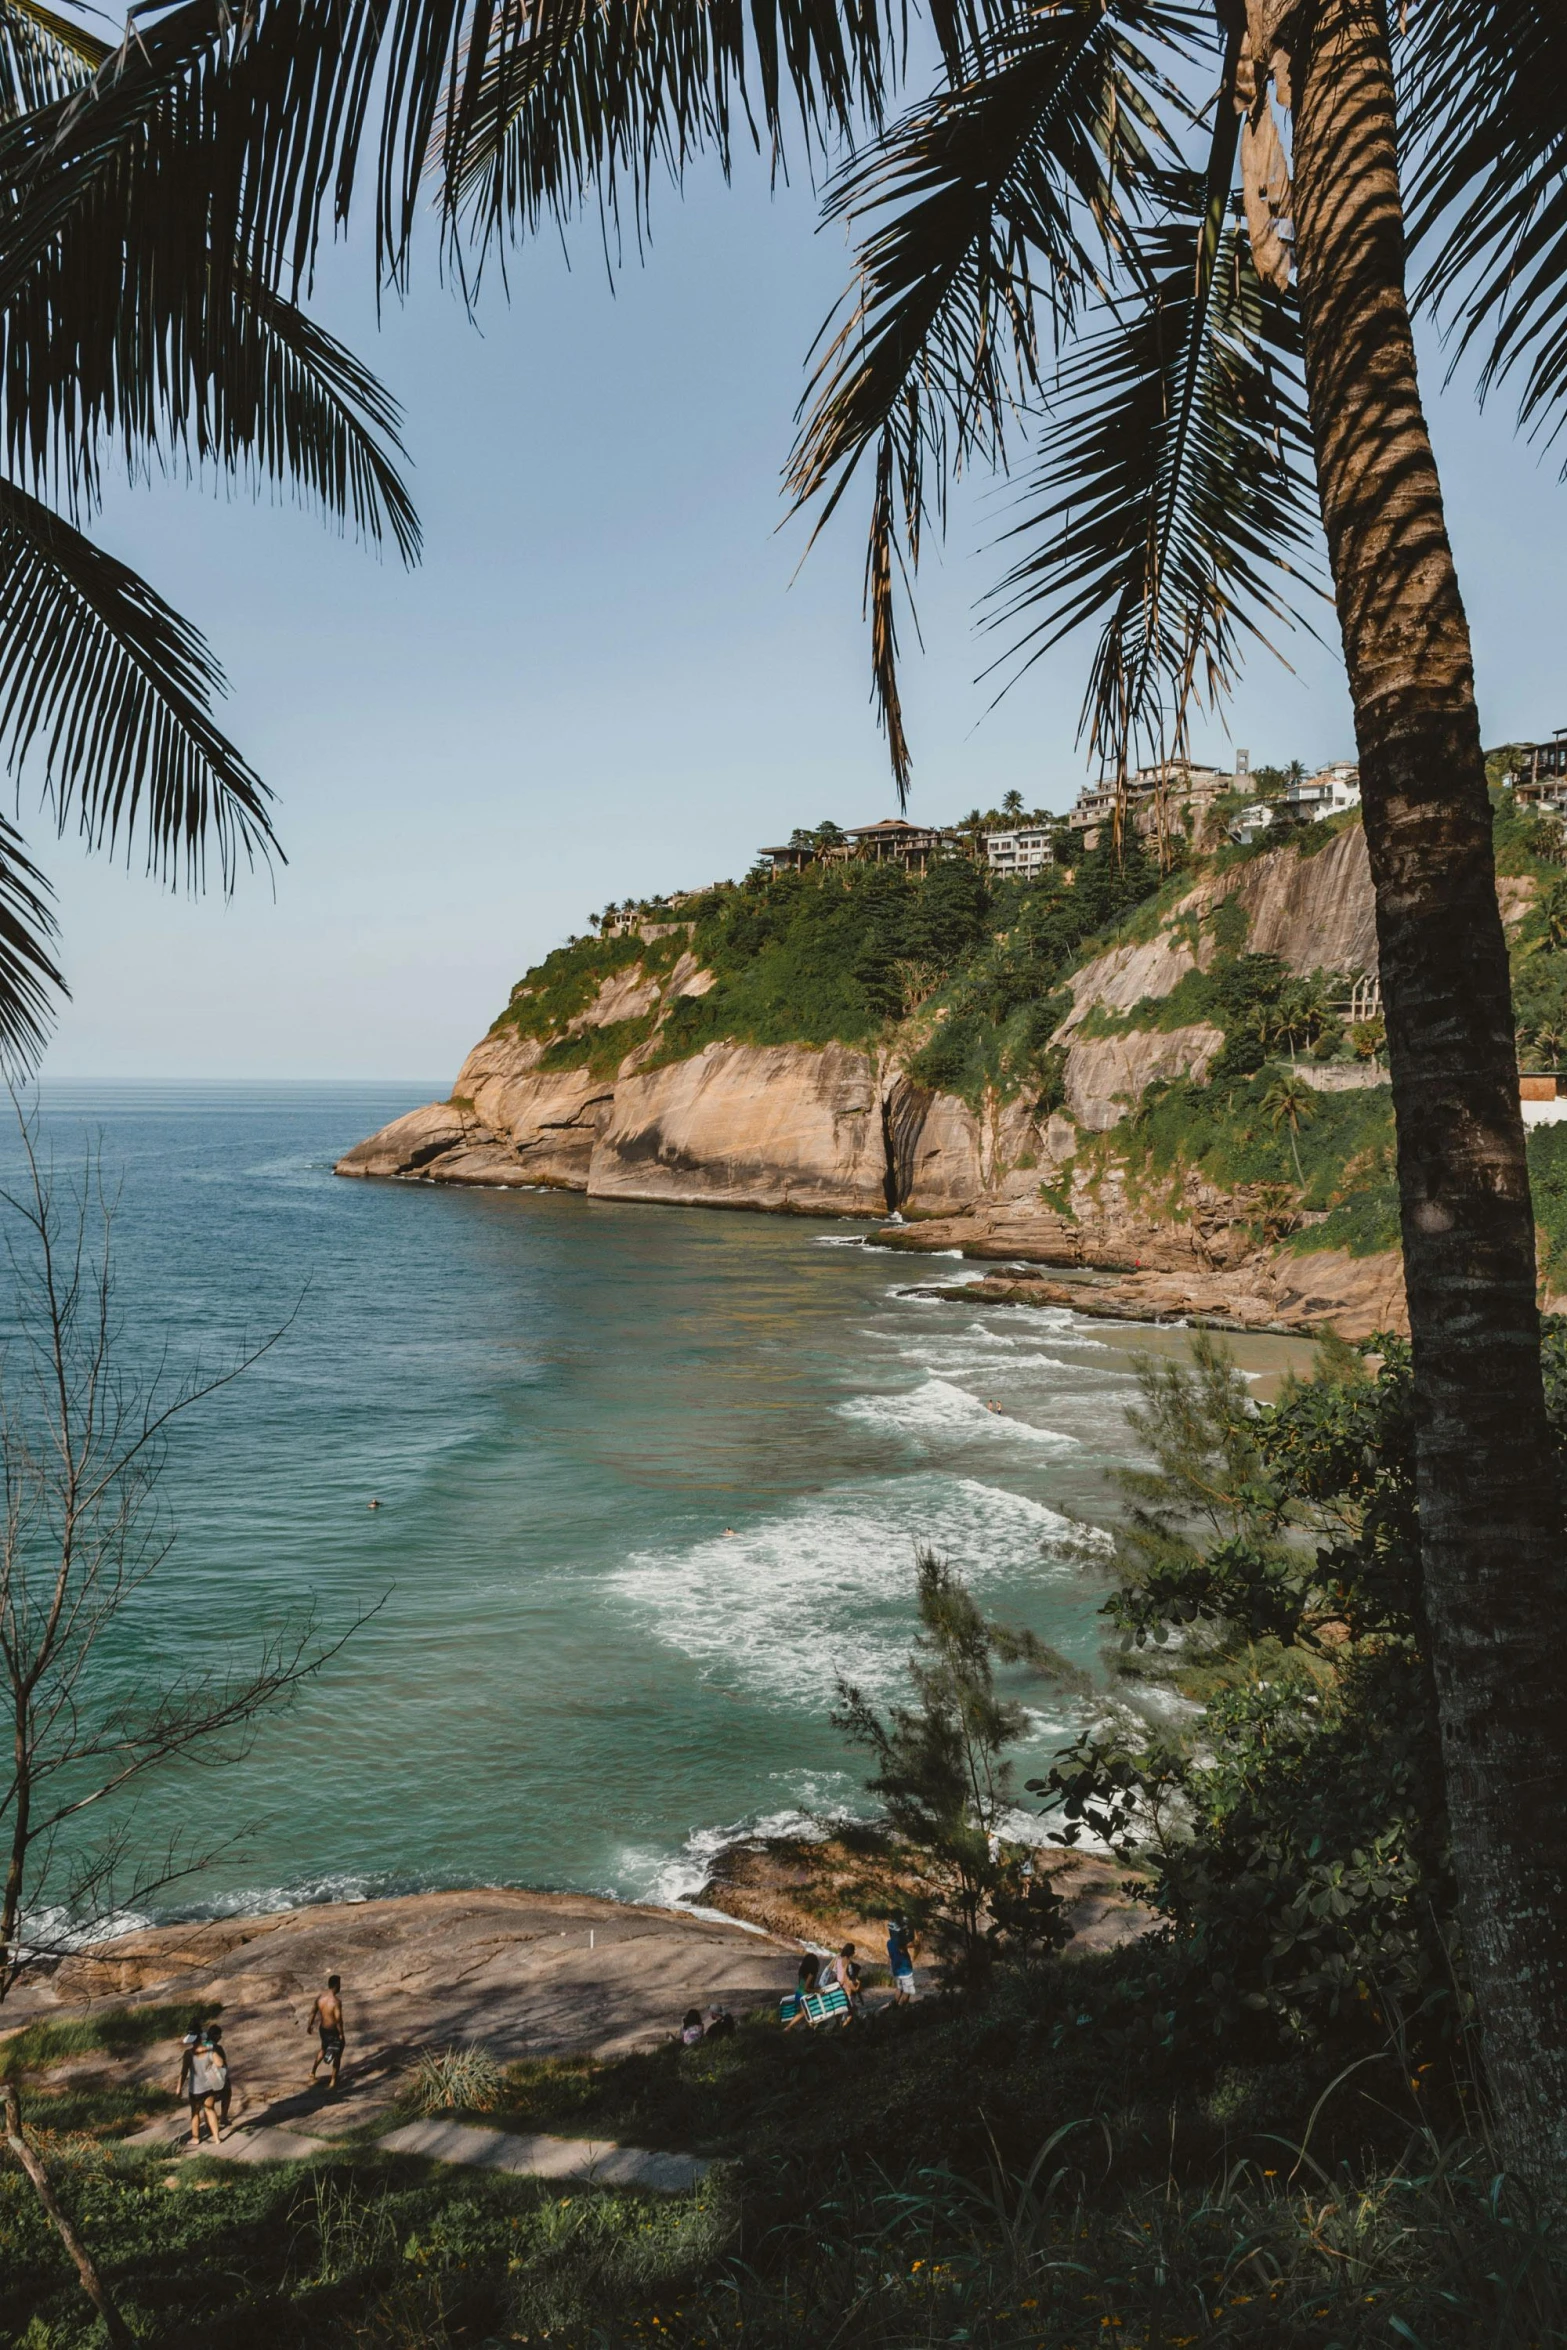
(804, 1987)
(201, 2080)
(218, 2057)
(900, 1959)
(326, 2018)
(843, 1971)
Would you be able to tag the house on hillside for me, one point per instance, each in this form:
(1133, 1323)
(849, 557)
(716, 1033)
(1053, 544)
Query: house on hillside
(1025, 851)
(892, 841)
(1172, 797)
(1329, 792)
(1540, 776)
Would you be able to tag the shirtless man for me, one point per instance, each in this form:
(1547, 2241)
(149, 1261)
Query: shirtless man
(326, 2017)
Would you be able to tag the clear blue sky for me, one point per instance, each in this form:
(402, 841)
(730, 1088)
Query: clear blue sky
(606, 678)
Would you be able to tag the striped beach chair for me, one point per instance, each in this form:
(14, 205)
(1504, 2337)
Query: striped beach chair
(821, 2007)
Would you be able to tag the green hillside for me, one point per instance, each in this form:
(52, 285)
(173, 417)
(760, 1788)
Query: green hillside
(967, 974)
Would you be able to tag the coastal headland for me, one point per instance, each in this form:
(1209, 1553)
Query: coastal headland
(1181, 1103)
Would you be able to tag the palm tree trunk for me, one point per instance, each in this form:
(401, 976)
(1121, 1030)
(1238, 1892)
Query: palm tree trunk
(1491, 1530)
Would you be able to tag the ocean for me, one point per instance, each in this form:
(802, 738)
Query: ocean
(650, 1481)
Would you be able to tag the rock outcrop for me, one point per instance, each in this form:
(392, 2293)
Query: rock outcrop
(749, 1126)
(845, 1130)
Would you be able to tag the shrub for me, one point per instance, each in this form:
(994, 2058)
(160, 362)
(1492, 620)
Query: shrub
(1295, 1837)
(446, 2080)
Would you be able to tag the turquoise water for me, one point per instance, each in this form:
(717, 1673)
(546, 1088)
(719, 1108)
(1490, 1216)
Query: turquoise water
(649, 1479)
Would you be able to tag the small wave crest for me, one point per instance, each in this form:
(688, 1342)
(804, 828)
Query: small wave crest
(937, 1408)
(781, 1608)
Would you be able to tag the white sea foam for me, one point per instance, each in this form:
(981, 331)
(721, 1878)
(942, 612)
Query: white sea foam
(671, 1880)
(823, 1587)
(937, 1409)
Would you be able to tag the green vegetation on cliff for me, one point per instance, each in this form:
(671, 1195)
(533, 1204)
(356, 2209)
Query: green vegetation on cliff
(841, 955)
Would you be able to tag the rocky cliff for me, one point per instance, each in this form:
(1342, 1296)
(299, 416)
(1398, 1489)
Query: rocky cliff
(1023, 1172)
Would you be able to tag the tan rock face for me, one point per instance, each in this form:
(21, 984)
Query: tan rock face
(772, 1126)
(1315, 913)
(1107, 1075)
(625, 995)
(409, 1144)
(935, 1150)
(535, 1126)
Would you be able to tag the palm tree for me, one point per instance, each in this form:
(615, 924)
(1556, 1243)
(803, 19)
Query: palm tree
(1181, 439)
(1290, 1102)
(1202, 411)
(1012, 806)
(104, 690)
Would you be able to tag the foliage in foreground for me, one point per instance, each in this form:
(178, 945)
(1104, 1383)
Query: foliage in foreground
(1161, 2225)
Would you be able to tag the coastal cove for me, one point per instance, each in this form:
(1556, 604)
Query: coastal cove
(648, 1480)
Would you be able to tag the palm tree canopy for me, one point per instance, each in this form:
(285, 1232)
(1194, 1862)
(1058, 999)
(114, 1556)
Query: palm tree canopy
(1047, 177)
(130, 331)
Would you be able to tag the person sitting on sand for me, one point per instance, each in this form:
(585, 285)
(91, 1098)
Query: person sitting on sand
(326, 2017)
(720, 2024)
(691, 2029)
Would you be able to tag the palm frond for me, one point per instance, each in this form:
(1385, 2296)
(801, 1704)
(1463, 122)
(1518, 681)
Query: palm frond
(113, 691)
(136, 336)
(1175, 484)
(29, 977)
(1485, 101)
(987, 211)
(43, 57)
(276, 115)
(572, 101)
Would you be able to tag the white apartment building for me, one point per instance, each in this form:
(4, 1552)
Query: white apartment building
(1327, 793)
(1025, 851)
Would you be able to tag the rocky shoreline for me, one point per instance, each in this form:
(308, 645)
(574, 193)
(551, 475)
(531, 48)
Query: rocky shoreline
(523, 1974)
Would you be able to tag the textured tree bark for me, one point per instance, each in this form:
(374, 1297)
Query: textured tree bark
(92, 2284)
(1493, 1560)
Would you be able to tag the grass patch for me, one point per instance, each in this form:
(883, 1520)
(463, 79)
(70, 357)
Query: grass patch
(599, 1051)
(115, 2031)
(1227, 1133)
(566, 983)
(1547, 1148)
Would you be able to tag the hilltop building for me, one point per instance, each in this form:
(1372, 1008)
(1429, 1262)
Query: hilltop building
(1540, 777)
(892, 841)
(1327, 793)
(1025, 851)
(1174, 795)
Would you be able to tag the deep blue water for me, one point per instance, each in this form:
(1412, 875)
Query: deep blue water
(649, 1478)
